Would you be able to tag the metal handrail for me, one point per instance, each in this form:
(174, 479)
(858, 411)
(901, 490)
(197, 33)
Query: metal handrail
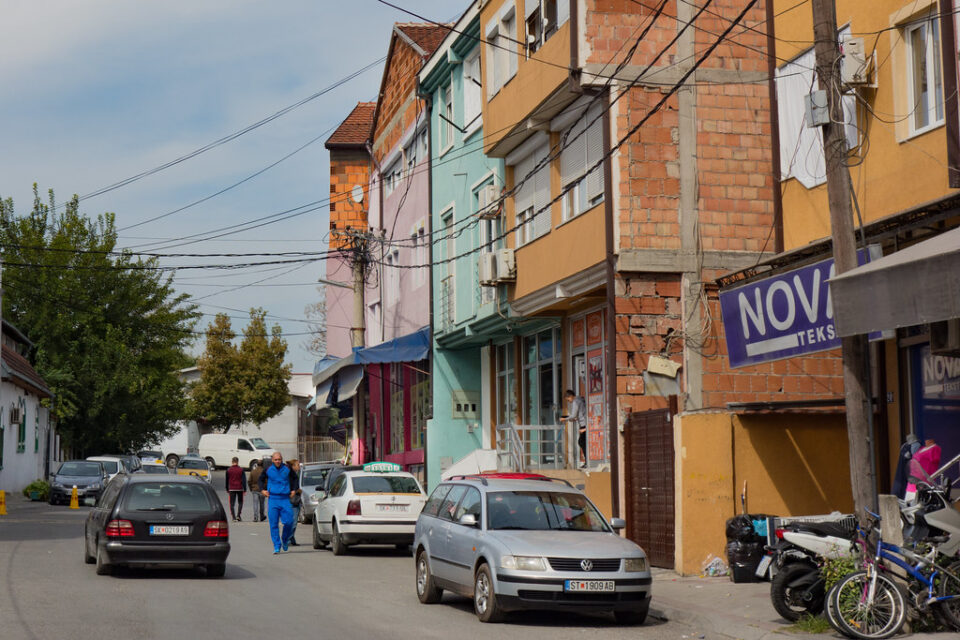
(533, 446)
(515, 442)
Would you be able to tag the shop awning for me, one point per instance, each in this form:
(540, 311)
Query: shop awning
(340, 386)
(916, 285)
(409, 348)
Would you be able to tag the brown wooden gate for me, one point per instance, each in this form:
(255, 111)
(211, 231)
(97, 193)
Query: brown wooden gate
(649, 476)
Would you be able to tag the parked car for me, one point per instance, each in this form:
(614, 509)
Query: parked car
(112, 465)
(133, 461)
(87, 476)
(219, 449)
(156, 469)
(150, 457)
(312, 477)
(143, 520)
(527, 544)
(195, 466)
(377, 504)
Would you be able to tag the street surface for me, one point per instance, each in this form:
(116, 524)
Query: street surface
(47, 592)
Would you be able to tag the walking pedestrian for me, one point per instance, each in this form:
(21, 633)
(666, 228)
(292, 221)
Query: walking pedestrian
(279, 484)
(577, 415)
(259, 511)
(295, 502)
(236, 481)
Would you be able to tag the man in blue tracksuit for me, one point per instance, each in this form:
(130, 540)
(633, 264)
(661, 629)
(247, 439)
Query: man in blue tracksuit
(279, 484)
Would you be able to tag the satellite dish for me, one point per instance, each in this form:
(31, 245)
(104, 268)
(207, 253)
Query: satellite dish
(357, 193)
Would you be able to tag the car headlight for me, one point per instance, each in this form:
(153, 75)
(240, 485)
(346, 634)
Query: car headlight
(635, 564)
(523, 563)
(95, 486)
(314, 497)
(58, 485)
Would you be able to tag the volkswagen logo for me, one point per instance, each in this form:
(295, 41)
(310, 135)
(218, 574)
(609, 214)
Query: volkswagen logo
(586, 565)
(169, 516)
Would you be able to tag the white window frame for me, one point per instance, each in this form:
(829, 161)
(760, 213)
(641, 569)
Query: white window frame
(391, 277)
(543, 29)
(448, 117)
(934, 76)
(502, 54)
(533, 213)
(584, 148)
(472, 93)
(392, 176)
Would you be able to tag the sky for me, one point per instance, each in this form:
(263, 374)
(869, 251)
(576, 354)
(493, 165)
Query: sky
(100, 91)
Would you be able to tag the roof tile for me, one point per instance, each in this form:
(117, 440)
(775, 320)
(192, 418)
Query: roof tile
(355, 130)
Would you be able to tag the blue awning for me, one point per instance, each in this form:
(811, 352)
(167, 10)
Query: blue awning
(409, 348)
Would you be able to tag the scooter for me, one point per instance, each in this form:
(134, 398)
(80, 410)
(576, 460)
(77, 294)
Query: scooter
(793, 561)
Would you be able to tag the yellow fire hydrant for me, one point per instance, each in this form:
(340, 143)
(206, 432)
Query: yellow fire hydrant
(74, 503)
(3, 503)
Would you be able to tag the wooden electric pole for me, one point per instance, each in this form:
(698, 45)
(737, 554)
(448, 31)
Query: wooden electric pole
(853, 349)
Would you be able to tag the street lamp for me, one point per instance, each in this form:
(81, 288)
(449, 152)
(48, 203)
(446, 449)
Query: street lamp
(333, 283)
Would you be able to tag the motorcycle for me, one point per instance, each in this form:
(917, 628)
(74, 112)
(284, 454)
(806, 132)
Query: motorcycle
(794, 558)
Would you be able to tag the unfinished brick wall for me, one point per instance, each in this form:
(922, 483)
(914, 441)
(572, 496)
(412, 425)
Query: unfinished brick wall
(347, 169)
(398, 107)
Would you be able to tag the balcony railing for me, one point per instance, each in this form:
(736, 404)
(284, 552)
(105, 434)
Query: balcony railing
(447, 300)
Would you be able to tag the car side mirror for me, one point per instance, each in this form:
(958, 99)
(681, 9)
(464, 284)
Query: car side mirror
(618, 524)
(468, 520)
(318, 488)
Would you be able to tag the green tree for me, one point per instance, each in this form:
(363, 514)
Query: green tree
(241, 384)
(109, 329)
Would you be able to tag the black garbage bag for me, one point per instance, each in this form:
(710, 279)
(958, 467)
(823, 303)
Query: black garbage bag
(740, 528)
(743, 558)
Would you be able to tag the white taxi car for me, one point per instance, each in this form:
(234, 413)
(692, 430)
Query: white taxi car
(377, 504)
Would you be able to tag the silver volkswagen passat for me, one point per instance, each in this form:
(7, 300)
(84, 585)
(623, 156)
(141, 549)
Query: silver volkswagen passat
(527, 544)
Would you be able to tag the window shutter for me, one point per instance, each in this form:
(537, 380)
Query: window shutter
(594, 152)
(542, 222)
(523, 197)
(573, 155)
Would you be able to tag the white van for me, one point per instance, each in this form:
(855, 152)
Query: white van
(219, 449)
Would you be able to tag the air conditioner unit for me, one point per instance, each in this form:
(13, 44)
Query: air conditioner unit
(855, 64)
(490, 205)
(506, 266)
(488, 269)
(945, 338)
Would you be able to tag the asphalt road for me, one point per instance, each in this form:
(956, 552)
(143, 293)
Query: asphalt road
(46, 591)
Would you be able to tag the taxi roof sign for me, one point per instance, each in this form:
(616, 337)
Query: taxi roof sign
(381, 467)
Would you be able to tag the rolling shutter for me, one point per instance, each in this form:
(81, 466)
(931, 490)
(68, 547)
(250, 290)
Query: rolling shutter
(594, 151)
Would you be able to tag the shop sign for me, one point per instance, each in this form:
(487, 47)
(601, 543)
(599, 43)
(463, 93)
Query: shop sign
(782, 316)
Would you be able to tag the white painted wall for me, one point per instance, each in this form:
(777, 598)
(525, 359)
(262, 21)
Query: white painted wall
(20, 469)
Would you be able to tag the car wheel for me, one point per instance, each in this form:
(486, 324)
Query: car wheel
(250, 466)
(103, 567)
(427, 591)
(52, 501)
(336, 542)
(630, 617)
(317, 542)
(485, 603)
(211, 462)
(216, 570)
(172, 461)
(87, 558)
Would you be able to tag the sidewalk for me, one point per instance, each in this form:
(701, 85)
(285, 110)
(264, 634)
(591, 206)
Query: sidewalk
(715, 606)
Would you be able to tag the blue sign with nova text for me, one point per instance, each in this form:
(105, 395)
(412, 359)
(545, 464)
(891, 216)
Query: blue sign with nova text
(786, 315)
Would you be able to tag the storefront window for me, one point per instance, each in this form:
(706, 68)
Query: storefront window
(396, 408)
(542, 376)
(588, 354)
(936, 399)
(420, 407)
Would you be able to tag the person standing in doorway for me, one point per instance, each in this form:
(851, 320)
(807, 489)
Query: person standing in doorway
(259, 512)
(295, 502)
(236, 481)
(279, 485)
(577, 415)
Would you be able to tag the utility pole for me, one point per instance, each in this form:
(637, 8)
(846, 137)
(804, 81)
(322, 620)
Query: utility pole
(853, 349)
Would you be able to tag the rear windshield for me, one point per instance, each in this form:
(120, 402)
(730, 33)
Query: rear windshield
(79, 469)
(150, 454)
(194, 464)
(259, 443)
(314, 477)
(110, 466)
(385, 484)
(155, 468)
(162, 496)
(542, 510)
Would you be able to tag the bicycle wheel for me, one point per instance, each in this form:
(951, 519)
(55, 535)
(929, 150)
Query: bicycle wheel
(947, 612)
(860, 616)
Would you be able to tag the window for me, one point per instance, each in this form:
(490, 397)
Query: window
(470, 505)
(397, 444)
(544, 17)
(587, 359)
(925, 79)
(532, 200)
(392, 177)
(18, 415)
(472, 95)
(243, 445)
(373, 330)
(385, 484)
(421, 406)
(391, 278)
(584, 148)
(432, 507)
(506, 385)
(448, 298)
(3, 435)
(418, 242)
(542, 376)
(449, 506)
(36, 431)
(446, 128)
(338, 485)
(501, 49)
